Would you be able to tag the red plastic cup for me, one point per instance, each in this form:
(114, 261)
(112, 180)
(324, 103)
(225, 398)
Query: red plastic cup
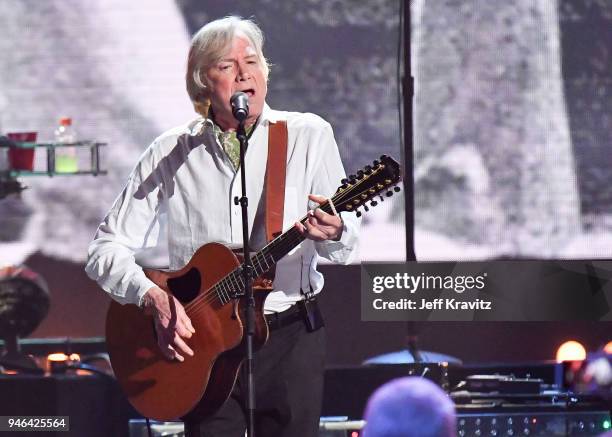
(21, 158)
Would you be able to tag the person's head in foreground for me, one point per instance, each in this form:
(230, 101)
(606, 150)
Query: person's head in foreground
(408, 407)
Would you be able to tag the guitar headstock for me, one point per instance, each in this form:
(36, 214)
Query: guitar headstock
(378, 179)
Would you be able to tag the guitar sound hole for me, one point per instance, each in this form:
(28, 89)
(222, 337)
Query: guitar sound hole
(185, 288)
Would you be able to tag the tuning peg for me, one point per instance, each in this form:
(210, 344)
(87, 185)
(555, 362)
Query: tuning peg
(344, 181)
(396, 189)
(365, 207)
(382, 199)
(373, 203)
(358, 214)
(360, 174)
(352, 178)
(368, 169)
(383, 157)
(376, 163)
(389, 193)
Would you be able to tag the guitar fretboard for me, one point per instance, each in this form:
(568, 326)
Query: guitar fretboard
(354, 192)
(233, 283)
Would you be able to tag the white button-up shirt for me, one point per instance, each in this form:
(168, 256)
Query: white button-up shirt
(183, 188)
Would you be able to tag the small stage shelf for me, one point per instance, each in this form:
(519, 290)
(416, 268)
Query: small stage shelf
(93, 146)
(9, 174)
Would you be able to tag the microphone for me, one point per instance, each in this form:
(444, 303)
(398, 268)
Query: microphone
(240, 106)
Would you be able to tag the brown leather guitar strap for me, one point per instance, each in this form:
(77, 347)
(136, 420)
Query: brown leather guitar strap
(276, 171)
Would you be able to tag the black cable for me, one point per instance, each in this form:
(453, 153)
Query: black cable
(148, 427)
(400, 105)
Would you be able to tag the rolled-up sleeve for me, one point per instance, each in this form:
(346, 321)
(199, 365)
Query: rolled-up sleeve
(132, 224)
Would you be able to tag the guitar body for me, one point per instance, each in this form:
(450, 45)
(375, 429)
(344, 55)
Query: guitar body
(198, 386)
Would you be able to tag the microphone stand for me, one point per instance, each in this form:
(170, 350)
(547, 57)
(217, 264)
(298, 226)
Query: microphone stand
(248, 283)
(412, 343)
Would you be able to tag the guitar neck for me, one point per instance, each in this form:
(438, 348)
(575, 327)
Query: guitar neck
(279, 247)
(353, 193)
(233, 283)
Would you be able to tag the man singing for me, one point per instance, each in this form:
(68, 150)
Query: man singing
(183, 190)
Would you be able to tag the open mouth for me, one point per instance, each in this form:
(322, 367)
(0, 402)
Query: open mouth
(249, 92)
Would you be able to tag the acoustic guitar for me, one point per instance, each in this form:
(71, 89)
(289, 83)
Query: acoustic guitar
(208, 287)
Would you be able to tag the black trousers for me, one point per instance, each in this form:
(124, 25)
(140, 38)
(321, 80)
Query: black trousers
(288, 380)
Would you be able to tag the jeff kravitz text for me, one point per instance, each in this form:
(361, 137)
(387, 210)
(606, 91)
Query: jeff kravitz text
(425, 285)
(435, 304)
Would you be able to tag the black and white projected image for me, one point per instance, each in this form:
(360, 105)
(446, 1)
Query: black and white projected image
(512, 121)
(512, 129)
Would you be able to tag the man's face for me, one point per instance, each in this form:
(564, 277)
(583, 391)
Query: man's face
(239, 70)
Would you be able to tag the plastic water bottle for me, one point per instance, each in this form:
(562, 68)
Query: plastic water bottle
(65, 156)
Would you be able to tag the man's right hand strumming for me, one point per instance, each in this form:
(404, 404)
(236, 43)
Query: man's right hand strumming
(171, 323)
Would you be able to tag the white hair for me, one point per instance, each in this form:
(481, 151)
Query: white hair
(209, 45)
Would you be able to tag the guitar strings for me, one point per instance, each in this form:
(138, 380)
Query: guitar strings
(288, 237)
(213, 293)
(288, 241)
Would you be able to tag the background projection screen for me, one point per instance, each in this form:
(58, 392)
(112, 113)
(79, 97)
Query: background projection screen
(512, 125)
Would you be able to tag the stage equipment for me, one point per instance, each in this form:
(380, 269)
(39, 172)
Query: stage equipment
(503, 384)
(347, 389)
(24, 303)
(406, 125)
(60, 362)
(138, 428)
(570, 351)
(8, 177)
(534, 421)
(328, 427)
(240, 106)
(405, 356)
(240, 110)
(535, 400)
(504, 400)
(549, 413)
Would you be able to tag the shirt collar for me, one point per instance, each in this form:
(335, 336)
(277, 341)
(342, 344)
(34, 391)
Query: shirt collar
(268, 115)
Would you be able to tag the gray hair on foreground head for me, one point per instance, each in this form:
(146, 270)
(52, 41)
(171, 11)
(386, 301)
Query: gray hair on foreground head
(410, 407)
(209, 45)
